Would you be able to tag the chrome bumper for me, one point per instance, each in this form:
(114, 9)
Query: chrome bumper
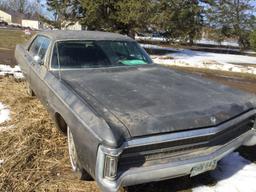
(138, 175)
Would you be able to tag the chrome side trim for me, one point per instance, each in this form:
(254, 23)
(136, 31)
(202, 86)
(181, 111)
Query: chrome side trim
(252, 141)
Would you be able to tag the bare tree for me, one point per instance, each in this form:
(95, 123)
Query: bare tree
(26, 7)
(3, 5)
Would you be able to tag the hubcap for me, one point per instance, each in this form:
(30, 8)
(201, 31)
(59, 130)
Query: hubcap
(72, 151)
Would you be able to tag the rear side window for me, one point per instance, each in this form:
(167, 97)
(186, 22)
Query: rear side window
(39, 47)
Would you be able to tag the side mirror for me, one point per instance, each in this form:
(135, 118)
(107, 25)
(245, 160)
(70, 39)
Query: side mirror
(38, 60)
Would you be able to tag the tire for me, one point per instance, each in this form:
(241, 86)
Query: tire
(30, 91)
(123, 189)
(74, 161)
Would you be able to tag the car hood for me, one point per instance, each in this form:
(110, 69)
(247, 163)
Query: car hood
(153, 99)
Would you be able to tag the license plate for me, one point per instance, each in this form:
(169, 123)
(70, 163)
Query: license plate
(204, 167)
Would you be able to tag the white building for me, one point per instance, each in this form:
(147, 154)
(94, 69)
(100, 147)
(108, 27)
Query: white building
(33, 24)
(5, 17)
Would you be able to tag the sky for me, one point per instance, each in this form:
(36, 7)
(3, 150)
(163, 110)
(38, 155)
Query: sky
(45, 11)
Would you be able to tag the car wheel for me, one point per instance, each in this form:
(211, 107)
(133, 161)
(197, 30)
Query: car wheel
(82, 174)
(30, 91)
(123, 189)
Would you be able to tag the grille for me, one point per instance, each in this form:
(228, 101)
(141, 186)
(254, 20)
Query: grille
(181, 149)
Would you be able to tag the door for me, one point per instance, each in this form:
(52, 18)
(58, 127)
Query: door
(38, 70)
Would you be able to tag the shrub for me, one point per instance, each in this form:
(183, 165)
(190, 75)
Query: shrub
(253, 40)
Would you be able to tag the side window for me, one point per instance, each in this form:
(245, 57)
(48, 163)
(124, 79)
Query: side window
(44, 46)
(34, 47)
(39, 47)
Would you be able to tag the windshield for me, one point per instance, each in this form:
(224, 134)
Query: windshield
(95, 54)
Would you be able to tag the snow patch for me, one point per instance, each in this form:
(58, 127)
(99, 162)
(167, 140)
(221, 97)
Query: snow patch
(152, 39)
(4, 113)
(150, 46)
(205, 41)
(207, 60)
(6, 70)
(233, 174)
(195, 56)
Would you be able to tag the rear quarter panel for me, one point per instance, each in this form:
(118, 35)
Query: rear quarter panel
(20, 56)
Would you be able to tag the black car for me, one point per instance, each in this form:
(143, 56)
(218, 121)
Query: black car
(128, 120)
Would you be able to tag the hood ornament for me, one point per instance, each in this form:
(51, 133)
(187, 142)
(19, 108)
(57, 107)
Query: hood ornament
(213, 120)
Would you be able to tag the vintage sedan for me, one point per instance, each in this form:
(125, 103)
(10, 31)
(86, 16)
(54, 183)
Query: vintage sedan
(129, 121)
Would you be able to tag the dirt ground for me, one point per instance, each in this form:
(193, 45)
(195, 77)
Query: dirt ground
(8, 40)
(35, 153)
(6, 57)
(242, 81)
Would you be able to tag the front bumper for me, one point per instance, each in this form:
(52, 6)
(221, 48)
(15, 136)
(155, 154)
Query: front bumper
(181, 167)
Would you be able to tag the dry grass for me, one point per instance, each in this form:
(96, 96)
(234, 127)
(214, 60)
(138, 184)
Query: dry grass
(8, 40)
(209, 72)
(34, 152)
(242, 81)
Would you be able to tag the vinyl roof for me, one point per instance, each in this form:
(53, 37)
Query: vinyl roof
(84, 35)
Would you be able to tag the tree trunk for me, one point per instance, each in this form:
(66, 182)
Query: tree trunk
(131, 33)
(191, 39)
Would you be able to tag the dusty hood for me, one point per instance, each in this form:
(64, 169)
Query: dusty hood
(152, 99)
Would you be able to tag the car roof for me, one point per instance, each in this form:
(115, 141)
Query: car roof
(83, 35)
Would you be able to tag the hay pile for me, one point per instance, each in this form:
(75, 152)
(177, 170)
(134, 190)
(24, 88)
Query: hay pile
(34, 152)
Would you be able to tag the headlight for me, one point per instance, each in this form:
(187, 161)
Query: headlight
(110, 167)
